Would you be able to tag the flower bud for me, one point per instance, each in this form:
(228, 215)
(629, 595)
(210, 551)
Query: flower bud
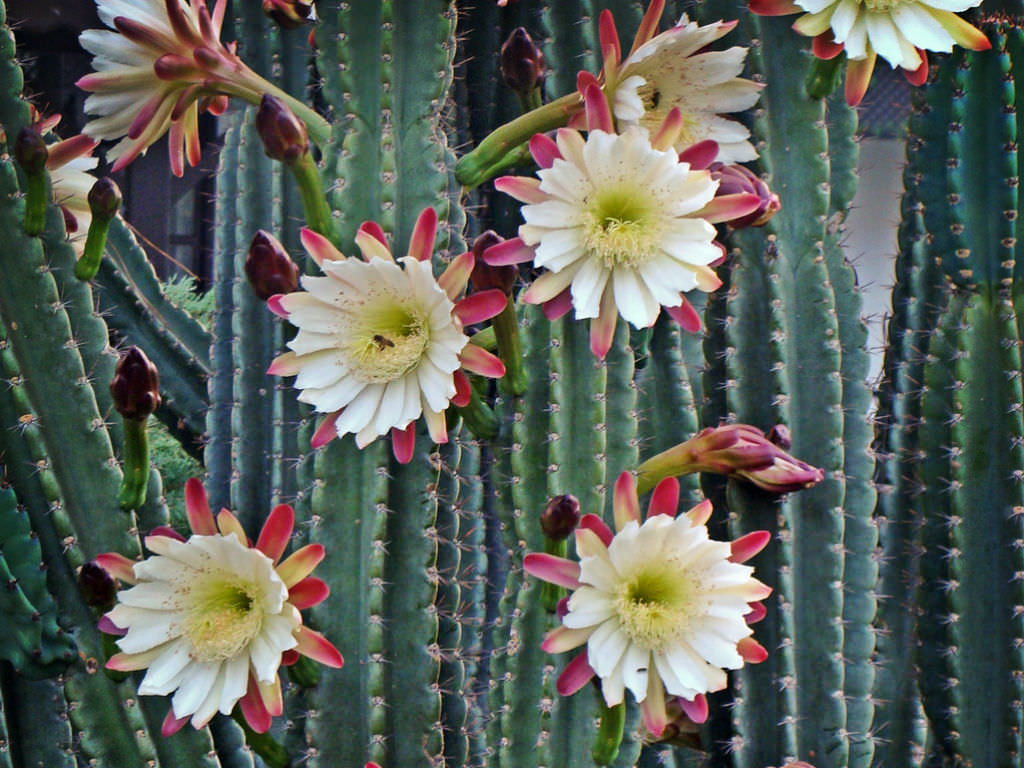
(560, 517)
(97, 586)
(289, 14)
(522, 62)
(485, 276)
(269, 267)
(30, 151)
(105, 199)
(135, 386)
(283, 134)
(737, 179)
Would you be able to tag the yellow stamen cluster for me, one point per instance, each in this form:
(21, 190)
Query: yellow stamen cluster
(225, 618)
(655, 604)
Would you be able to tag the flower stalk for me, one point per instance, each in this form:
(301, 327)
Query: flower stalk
(609, 732)
(478, 417)
(104, 203)
(135, 389)
(31, 153)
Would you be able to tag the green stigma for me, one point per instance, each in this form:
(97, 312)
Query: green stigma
(621, 226)
(655, 604)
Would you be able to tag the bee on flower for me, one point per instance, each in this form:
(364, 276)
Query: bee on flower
(211, 618)
(659, 608)
(382, 342)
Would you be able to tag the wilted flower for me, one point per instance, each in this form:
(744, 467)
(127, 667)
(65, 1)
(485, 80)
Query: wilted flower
(381, 343)
(212, 618)
(736, 450)
(676, 69)
(900, 31)
(661, 608)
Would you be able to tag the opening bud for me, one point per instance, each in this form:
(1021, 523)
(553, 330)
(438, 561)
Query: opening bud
(560, 517)
(105, 199)
(97, 586)
(269, 267)
(30, 151)
(289, 14)
(737, 179)
(135, 386)
(522, 63)
(486, 277)
(284, 135)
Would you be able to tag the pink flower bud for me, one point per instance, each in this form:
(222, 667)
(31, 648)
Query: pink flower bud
(283, 134)
(30, 151)
(97, 586)
(104, 199)
(269, 267)
(737, 179)
(484, 276)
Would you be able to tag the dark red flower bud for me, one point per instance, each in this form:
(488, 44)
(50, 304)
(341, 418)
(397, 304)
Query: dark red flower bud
(284, 135)
(289, 14)
(97, 586)
(105, 199)
(30, 151)
(737, 179)
(522, 62)
(269, 267)
(484, 276)
(561, 517)
(135, 386)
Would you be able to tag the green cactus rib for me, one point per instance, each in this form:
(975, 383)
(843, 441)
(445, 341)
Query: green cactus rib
(36, 735)
(33, 642)
(937, 626)
(131, 299)
(570, 46)
(348, 504)
(229, 741)
(987, 506)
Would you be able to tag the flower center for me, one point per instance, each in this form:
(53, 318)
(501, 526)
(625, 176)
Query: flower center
(387, 342)
(655, 112)
(881, 5)
(224, 619)
(655, 604)
(620, 227)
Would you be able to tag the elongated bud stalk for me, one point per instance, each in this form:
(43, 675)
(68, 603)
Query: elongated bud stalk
(104, 203)
(558, 520)
(269, 267)
(31, 153)
(135, 389)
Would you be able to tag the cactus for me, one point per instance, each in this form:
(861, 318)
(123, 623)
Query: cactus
(884, 610)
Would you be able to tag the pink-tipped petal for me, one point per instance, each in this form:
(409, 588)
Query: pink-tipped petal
(701, 513)
(253, 709)
(665, 498)
(563, 639)
(696, 710)
(599, 113)
(522, 188)
(276, 532)
(129, 662)
(197, 508)
(421, 245)
(308, 592)
(611, 49)
(166, 530)
(272, 697)
(668, 131)
(858, 75)
(589, 544)
(544, 150)
(300, 564)
(596, 525)
(625, 502)
(171, 724)
(707, 280)
(437, 426)
(63, 152)
(576, 674)
(756, 613)
(508, 252)
(274, 305)
(117, 565)
(746, 547)
(403, 443)
(559, 306)
(700, 155)
(653, 706)
(648, 24)
(918, 76)
(773, 7)
(326, 432)
(108, 627)
(455, 277)
(686, 316)
(478, 360)
(318, 247)
(602, 327)
(553, 569)
(966, 35)
(176, 148)
(463, 389)
(751, 650)
(825, 47)
(318, 648)
(730, 207)
(480, 306)
(370, 246)
(145, 116)
(229, 524)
